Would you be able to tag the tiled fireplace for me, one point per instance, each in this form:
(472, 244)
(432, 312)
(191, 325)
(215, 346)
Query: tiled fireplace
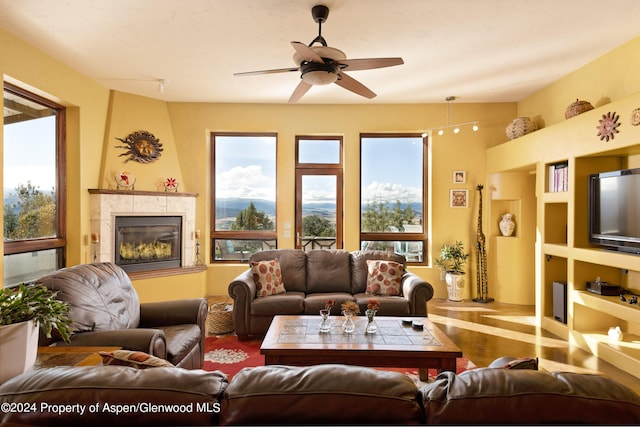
(141, 230)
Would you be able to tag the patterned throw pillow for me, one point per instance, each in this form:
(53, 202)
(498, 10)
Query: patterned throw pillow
(268, 278)
(384, 277)
(135, 359)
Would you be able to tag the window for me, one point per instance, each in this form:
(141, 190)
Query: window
(244, 199)
(392, 194)
(318, 193)
(34, 200)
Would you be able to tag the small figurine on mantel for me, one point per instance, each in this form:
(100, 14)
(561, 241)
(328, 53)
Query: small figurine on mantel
(507, 225)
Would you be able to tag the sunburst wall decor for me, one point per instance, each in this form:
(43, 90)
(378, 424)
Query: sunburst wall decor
(141, 146)
(608, 126)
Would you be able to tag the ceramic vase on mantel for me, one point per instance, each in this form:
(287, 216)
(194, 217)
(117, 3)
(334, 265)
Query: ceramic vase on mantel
(519, 127)
(507, 225)
(18, 348)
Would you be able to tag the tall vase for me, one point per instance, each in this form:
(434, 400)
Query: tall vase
(371, 321)
(348, 326)
(324, 324)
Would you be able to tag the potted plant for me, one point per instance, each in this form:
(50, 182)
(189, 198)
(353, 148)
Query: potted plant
(452, 260)
(24, 310)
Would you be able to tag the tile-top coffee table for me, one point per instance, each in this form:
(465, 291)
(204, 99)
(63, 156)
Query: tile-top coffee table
(296, 340)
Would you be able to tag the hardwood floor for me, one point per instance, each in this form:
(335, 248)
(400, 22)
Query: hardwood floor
(485, 332)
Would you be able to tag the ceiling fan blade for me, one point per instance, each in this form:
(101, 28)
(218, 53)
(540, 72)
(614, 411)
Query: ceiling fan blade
(299, 91)
(354, 86)
(274, 71)
(306, 52)
(370, 63)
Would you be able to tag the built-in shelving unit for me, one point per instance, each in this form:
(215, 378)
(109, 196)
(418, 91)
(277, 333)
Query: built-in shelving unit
(571, 151)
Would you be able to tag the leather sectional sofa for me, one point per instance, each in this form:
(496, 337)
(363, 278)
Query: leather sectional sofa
(311, 278)
(322, 394)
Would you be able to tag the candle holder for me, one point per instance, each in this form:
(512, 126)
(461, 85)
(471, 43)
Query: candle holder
(197, 238)
(95, 243)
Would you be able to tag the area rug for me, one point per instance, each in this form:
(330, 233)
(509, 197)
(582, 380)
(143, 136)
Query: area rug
(229, 355)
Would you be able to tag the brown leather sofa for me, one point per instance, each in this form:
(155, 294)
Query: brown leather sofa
(311, 278)
(321, 394)
(106, 311)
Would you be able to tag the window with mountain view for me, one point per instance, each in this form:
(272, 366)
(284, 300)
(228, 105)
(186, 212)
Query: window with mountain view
(392, 194)
(34, 200)
(244, 195)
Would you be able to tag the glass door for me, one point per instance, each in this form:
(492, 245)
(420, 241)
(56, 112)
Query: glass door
(318, 222)
(318, 209)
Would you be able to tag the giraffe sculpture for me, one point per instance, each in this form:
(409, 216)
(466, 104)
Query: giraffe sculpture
(481, 257)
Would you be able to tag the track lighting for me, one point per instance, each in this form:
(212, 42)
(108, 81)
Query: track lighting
(161, 84)
(456, 127)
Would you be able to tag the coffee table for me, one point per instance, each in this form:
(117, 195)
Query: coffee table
(296, 340)
(70, 356)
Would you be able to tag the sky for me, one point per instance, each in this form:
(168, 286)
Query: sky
(29, 154)
(391, 175)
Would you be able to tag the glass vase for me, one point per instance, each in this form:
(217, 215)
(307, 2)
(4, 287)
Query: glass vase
(324, 324)
(348, 326)
(371, 321)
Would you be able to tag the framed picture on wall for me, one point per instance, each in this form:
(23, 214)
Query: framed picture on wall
(458, 198)
(459, 177)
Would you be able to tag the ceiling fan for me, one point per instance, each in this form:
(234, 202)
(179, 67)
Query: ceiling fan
(323, 65)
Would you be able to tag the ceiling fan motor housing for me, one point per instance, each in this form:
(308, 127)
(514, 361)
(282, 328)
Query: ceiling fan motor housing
(316, 73)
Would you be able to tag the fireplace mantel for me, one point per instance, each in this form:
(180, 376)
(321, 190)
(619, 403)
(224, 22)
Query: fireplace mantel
(107, 204)
(141, 193)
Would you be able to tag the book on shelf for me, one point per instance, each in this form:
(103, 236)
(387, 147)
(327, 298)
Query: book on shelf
(558, 177)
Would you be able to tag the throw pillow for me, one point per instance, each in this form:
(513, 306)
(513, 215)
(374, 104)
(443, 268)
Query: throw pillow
(135, 359)
(384, 277)
(268, 278)
(515, 363)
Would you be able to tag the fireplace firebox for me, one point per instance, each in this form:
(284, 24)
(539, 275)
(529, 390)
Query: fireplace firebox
(148, 242)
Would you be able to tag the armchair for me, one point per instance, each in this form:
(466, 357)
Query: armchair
(106, 311)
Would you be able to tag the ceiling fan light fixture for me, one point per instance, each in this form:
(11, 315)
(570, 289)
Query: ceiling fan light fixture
(319, 77)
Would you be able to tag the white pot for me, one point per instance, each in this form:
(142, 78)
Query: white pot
(18, 348)
(455, 285)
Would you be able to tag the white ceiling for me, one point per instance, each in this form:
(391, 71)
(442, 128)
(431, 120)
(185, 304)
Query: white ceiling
(476, 50)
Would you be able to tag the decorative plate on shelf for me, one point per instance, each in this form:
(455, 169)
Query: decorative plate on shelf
(635, 117)
(125, 179)
(170, 184)
(608, 126)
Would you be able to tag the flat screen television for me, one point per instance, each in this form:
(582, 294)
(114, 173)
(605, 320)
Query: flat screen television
(614, 210)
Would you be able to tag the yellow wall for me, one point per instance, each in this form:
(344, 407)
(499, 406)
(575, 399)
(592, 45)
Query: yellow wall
(129, 113)
(97, 116)
(611, 77)
(87, 105)
(192, 124)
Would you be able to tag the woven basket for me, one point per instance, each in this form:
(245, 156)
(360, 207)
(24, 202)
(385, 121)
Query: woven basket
(576, 108)
(219, 320)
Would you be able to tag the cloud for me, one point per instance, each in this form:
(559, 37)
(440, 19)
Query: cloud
(43, 176)
(385, 191)
(245, 182)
